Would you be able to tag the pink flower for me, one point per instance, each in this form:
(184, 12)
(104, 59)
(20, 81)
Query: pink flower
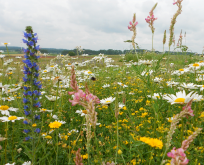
(175, 2)
(188, 107)
(178, 156)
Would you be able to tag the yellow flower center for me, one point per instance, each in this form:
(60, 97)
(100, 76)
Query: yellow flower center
(201, 61)
(181, 69)
(52, 66)
(84, 111)
(195, 64)
(69, 64)
(45, 71)
(12, 118)
(89, 72)
(56, 78)
(4, 107)
(203, 86)
(158, 97)
(108, 101)
(5, 43)
(43, 109)
(179, 100)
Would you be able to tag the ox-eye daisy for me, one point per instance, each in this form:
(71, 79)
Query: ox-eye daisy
(4, 109)
(10, 118)
(179, 98)
(108, 100)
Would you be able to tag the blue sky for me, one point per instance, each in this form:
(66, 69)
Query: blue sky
(99, 24)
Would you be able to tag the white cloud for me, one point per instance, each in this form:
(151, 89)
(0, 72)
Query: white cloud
(99, 24)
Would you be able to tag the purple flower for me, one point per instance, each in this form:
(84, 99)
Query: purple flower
(25, 122)
(26, 130)
(27, 112)
(37, 130)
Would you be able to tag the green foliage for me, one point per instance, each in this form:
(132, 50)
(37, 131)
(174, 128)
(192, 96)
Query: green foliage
(71, 53)
(44, 51)
(65, 52)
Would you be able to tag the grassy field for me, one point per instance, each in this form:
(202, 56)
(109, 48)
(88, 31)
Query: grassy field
(136, 121)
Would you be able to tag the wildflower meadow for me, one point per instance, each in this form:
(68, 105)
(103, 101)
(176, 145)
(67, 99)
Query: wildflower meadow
(134, 108)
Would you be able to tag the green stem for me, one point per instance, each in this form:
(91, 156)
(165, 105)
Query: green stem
(56, 96)
(182, 129)
(117, 143)
(57, 149)
(123, 159)
(150, 158)
(152, 42)
(12, 141)
(6, 129)
(7, 50)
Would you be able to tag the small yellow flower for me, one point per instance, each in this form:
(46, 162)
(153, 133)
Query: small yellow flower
(120, 152)
(34, 125)
(48, 137)
(55, 124)
(84, 156)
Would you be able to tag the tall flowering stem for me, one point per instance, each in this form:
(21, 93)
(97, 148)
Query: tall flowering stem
(171, 29)
(150, 20)
(187, 111)
(31, 87)
(173, 21)
(164, 40)
(178, 156)
(132, 27)
(88, 101)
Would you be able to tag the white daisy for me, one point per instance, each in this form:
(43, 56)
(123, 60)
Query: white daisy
(157, 79)
(197, 97)
(51, 98)
(180, 98)
(106, 85)
(107, 101)
(155, 96)
(189, 86)
(10, 118)
(27, 163)
(45, 110)
(4, 109)
(123, 85)
(121, 105)
(81, 112)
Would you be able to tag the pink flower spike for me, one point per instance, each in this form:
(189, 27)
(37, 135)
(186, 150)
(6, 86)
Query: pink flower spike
(130, 23)
(174, 2)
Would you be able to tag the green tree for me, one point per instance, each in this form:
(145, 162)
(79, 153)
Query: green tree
(65, 52)
(71, 53)
(44, 51)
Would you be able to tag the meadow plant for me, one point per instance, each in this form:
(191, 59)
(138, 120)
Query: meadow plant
(78, 159)
(132, 27)
(178, 156)
(171, 29)
(164, 40)
(150, 20)
(88, 101)
(31, 89)
(173, 21)
(179, 153)
(6, 44)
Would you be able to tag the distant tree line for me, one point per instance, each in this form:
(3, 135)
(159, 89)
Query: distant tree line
(73, 52)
